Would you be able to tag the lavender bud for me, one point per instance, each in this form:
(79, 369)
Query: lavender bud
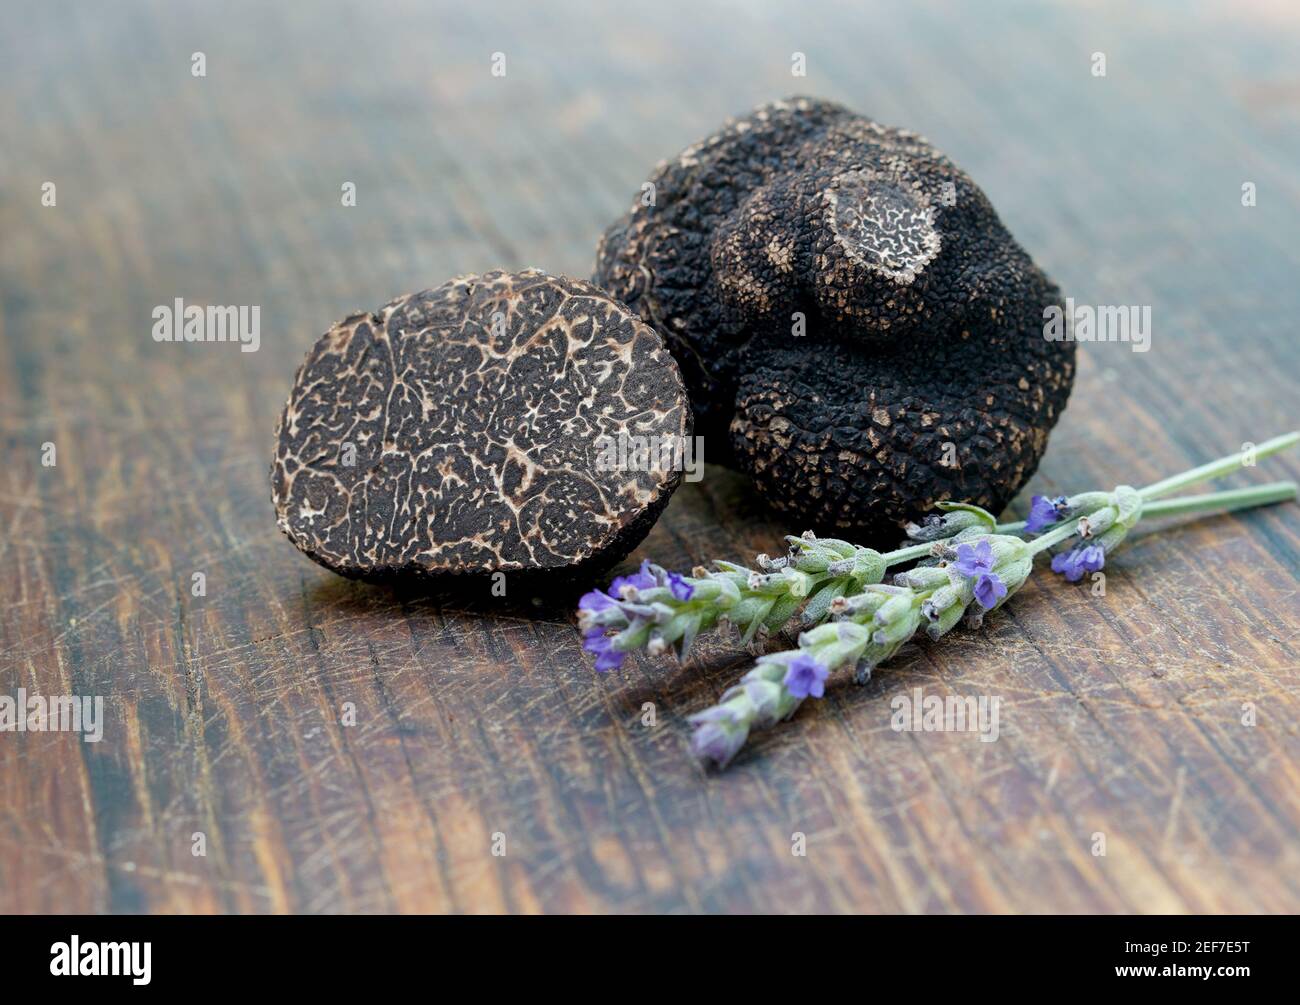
(773, 583)
(940, 601)
(946, 621)
(812, 565)
(862, 605)
(922, 577)
(1087, 502)
(1099, 522)
(956, 517)
(1112, 539)
(719, 734)
(1014, 574)
(767, 697)
(868, 566)
(899, 629)
(893, 609)
(798, 583)
(822, 635)
(1006, 548)
(769, 668)
(1128, 506)
(822, 601)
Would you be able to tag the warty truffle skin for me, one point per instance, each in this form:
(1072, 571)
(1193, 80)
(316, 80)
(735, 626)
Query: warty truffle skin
(476, 414)
(923, 374)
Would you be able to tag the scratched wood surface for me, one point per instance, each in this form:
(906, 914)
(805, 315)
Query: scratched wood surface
(1121, 715)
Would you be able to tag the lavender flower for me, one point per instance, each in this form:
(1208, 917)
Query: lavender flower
(719, 734)
(1100, 531)
(643, 579)
(760, 699)
(1043, 512)
(602, 646)
(974, 560)
(972, 574)
(989, 589)
(1079, 560)
(595, 601)
(681, 589)
(805, 677)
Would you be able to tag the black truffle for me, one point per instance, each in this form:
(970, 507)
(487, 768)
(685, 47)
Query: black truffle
(466, 430)
(921, 374)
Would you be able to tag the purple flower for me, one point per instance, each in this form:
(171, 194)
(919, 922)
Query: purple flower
(682, 590)
(805, 677)
(989, 588)
(974, 561)
(602, 646)
(718, 735)
(977, 563)
(643, 579)
(1044, 512)
(1082, 558)
(595, 601)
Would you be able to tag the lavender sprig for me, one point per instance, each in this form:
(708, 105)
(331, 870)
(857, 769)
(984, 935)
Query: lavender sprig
(866, 629)
(1105, 519)
(655, 609)
(1101, 529)
(970, 574)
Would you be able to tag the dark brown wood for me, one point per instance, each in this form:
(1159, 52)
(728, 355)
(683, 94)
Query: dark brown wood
(475, 716)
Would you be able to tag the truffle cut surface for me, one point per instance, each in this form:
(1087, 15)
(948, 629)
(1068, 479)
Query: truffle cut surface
(466, 430)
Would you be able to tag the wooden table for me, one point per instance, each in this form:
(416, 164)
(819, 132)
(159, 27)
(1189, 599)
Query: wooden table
(1121, 715)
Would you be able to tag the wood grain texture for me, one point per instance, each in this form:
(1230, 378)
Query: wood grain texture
(1121, 714)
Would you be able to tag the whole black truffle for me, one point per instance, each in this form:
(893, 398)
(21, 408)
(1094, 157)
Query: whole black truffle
(466, 430)
(850, 315)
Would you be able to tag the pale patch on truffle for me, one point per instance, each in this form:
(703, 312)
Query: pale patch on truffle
(883, 224)
(780, 254)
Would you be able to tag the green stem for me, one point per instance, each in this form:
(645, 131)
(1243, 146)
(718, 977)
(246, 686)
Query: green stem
(1217, 469)
(1054, 536)
(1224, 501)
(906, 554)
(1230, 499)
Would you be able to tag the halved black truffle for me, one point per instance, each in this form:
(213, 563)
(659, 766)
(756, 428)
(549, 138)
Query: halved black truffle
(850, 315)
(468, 429)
